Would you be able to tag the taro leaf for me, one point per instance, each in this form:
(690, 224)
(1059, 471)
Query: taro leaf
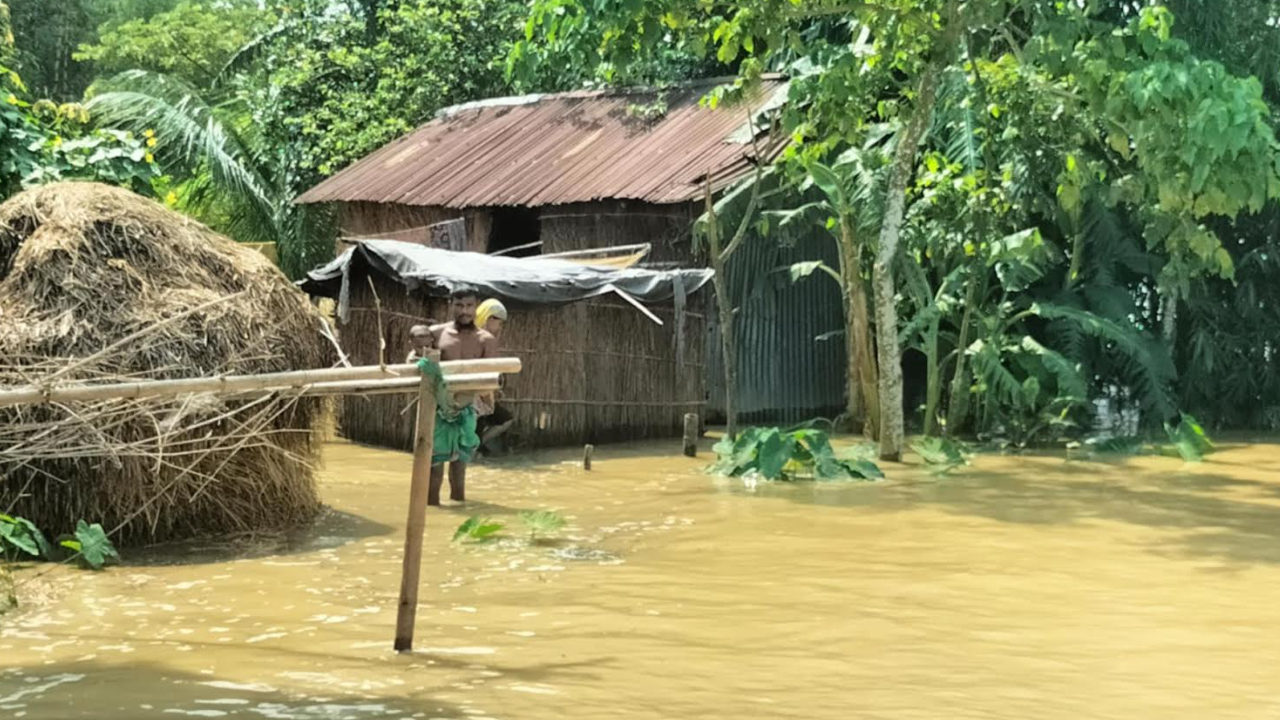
(942, 455)
(807, 443)
(1189, 439)
(724, 446)
(772, 454)
(477, 529)
(745, 450)
(22, 534)
(542, 522)
(825, 464)
(95, 548)
(862, 469)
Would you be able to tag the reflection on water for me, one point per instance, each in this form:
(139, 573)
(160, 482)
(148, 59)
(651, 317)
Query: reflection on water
(1020, 588)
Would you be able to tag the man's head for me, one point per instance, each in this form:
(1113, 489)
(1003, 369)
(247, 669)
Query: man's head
(462, 306)
(421, 338)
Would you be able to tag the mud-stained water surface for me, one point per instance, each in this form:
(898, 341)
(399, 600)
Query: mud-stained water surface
(1018, 588)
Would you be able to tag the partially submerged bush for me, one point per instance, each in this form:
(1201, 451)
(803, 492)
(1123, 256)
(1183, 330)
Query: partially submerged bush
(798, 455)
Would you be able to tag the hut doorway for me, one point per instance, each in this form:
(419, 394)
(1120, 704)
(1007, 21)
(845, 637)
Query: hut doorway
(514, 231)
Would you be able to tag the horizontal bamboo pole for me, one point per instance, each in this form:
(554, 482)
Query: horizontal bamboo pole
(236, 384)
(471, 382)
(601, 403)
(468, 382)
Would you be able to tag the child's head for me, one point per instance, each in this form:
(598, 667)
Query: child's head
(420, 337)
(491, 316)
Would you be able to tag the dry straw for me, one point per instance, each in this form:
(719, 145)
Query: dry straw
(84, 266)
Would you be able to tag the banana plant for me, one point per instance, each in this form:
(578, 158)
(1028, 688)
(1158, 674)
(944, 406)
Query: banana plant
(849, 197)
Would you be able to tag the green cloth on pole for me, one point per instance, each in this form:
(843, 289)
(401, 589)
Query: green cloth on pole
(455, 437)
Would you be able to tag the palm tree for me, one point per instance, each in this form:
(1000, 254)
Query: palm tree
(230, 176)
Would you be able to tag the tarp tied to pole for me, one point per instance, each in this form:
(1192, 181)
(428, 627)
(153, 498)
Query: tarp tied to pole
(530, 280)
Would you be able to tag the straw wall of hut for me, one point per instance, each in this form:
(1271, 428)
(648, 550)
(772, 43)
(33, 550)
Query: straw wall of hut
(595, 371)
(409, 222)
(586, 226)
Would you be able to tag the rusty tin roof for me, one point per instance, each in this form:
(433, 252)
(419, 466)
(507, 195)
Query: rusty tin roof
(562, 148)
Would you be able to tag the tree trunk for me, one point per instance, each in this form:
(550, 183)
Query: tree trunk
(864, 406)
(904, 161)
(958, 405)
(1169, 318)
(728, 349)
(724, 305)
(933, 385)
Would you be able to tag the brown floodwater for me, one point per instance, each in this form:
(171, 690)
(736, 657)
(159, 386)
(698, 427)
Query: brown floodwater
(1022, 587)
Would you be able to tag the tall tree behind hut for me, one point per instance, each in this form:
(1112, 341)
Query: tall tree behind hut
(319, 89)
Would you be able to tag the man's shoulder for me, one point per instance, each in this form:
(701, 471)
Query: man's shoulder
(485, 336)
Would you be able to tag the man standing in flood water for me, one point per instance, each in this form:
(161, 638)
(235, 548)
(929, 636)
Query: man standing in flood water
(460, 339)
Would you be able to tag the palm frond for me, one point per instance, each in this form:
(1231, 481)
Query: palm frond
(1144, 363)
(190, 137)
(1065, 372)
(955, 124)
(252, 50)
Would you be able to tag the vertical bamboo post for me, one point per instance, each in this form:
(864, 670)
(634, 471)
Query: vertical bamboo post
(407, 612)
(587, 450)
(691, 434)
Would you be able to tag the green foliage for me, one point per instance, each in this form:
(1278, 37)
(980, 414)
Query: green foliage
(191, 42)
(20, 534)
(334, 94)
(778, 455)
(44, 142)
(1189, 438)
(91, 546)
(941, 455)
(478, 529)
(542, 523)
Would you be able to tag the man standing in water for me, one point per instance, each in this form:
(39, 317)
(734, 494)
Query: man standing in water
(460, 339)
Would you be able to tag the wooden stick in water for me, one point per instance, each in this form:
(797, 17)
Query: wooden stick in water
(691, 434)
(587, 450)
(407, 611)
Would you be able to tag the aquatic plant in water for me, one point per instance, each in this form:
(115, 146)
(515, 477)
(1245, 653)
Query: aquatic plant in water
(1189, 438)
(478, 529)
(777, 455)
(20, 537)
(542, 523)
(942, 455)
(88, 545)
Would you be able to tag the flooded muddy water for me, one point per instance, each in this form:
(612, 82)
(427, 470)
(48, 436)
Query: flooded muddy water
(1018, 588)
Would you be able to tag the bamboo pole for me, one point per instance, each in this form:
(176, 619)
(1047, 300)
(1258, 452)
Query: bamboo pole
(228, 384)
(471, 382)
(424, 432)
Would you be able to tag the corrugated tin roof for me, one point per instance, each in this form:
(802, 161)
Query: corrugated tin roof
(562, 148)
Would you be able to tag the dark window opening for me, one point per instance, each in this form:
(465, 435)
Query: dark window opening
(514, 230)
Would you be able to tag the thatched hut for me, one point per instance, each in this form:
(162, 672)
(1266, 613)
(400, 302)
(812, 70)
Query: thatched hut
(83, 266)
(596, 367)
(597, 169)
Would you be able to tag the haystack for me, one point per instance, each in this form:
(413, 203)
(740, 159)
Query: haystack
(84, 265)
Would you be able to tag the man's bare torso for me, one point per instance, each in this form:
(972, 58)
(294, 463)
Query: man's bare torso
(464, 344)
